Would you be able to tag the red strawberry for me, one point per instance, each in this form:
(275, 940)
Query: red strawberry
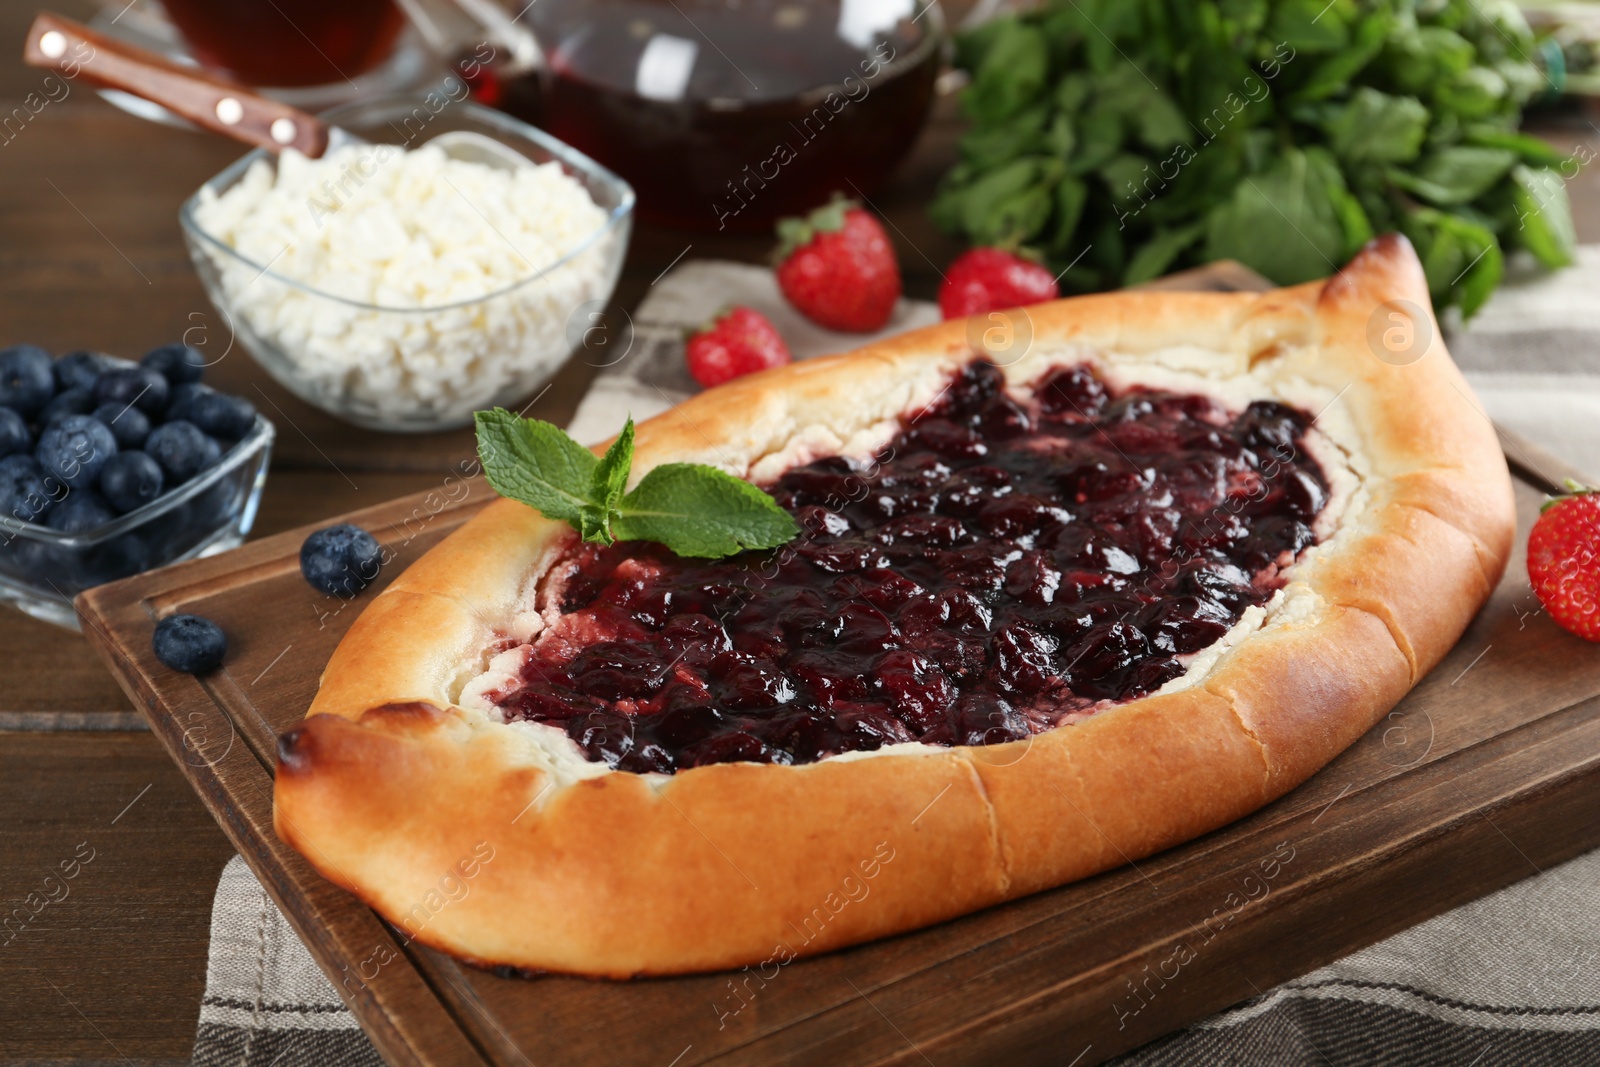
(736, 342)
(992, 279)
(1564, 561)
(837, 266)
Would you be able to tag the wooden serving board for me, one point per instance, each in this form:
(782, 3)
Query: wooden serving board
(1488, 772)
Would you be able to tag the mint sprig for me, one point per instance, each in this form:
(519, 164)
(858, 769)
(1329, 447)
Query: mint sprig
(692, 509)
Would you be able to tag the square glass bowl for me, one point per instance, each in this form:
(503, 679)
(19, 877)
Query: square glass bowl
(41, 569)
(416, 370)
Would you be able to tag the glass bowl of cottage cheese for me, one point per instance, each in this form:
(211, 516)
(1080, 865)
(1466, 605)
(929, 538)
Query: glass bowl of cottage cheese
(400, 287)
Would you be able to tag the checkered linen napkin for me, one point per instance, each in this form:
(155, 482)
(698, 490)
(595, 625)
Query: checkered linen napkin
(1513, 978)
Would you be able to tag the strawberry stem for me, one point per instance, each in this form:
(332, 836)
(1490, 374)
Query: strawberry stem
(795, 232)
(1574, 488)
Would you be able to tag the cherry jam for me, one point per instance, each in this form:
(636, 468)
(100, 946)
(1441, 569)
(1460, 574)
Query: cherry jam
(1003, 565)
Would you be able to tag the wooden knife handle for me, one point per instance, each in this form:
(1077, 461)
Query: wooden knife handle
(219, 105)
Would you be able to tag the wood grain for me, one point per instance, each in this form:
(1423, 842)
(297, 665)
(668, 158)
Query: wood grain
(1485, 774)
(115, 967)
(91, 256)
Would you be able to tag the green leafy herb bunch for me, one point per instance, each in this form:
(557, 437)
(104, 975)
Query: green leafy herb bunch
(1126, 138)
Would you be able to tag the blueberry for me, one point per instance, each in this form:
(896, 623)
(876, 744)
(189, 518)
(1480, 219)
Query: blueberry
(82, 511)
(78, 370)
(127, 424)
(141, 387)
(131, 480)
(117, 558)
(26, 383)
(75, 448)
(217, 505)
(14, 435)
(340, 560)
(178, 363)
(182, 450)
(74, 401)
(182, 400)
(221, 415)
(25, 493)
(189, 643)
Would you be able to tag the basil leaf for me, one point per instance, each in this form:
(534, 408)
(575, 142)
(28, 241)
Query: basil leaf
(1281, 223)
(1482, 277)
(1376, 127)
(1530, 150)
(1157, 254)
(1544, 216)
(1333, 74)
(1311, 26)
(1010, 75)
(1071, 195)
(702, 512)
(536, 463)
(1019, 135)
(1345, 117)
(1475, 93)
(1455, 175)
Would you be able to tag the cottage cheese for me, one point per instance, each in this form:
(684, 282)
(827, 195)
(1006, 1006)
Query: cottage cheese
(430, 285)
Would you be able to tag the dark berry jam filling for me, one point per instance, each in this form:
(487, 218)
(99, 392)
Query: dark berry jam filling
(1003, 565)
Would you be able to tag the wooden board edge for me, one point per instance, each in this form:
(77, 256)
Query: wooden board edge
(237, 791)
(1029, 1030)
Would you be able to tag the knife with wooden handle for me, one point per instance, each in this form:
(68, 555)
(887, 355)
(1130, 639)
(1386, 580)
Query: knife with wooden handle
(215, 103)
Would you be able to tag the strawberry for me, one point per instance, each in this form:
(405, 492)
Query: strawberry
(993, 279)
(1564, 561)
(735, 342)
(837, 267)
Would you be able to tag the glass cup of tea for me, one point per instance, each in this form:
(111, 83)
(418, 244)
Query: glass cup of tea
(726, 115)
(284, 43)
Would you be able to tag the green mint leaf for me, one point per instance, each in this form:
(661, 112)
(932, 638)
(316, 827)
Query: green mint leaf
(595, 525)
(703, 512)
(692, 509)
(536, 463)
(611, 473)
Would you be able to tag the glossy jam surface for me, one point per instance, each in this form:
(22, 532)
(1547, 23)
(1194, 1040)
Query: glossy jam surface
(1004, 564)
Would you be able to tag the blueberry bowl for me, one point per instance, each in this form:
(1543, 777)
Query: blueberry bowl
(94, 487)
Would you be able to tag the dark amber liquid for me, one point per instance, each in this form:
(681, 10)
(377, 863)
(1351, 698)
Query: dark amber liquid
(288, 42)
(778, 111)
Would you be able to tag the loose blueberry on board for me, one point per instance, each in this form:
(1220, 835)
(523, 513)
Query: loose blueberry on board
(25, 494)
(74, 401)
(14, 435)
(182, 450)
(220, 415)
(78, 370)
(189, 643)
(76, 449)
(127, 424)
(26, 383)
(131, 480)
(178, 363)
(83, 510)
(138, 387)
(340, 560)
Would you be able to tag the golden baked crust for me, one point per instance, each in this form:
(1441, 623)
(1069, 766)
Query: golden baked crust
(473, 838)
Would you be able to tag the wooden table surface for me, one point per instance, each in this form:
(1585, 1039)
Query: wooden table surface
(91, 257)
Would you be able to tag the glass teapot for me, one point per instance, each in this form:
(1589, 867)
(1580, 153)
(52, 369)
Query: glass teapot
(723, 114)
